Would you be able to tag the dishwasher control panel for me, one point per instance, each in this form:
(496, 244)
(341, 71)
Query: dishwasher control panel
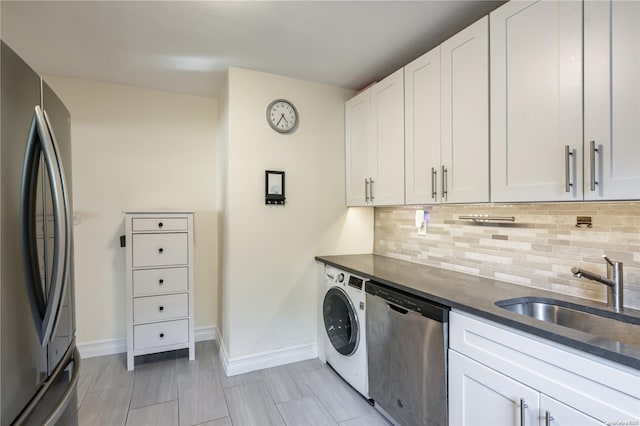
(427, 308)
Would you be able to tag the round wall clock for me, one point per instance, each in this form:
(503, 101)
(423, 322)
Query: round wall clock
(282, 116)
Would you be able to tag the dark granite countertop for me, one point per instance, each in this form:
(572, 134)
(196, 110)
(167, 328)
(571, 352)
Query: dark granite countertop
(477, 295)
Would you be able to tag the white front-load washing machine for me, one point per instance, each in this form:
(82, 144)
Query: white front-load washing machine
(343, 312)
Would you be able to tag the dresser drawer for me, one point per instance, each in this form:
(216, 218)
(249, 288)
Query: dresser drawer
(160, 334)
(159, 224)
(159, 249)
(155, 281)
(158, 308)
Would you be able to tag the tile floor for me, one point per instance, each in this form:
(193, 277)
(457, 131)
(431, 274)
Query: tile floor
(167, 389)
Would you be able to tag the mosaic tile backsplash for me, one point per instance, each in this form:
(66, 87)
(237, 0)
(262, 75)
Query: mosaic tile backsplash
(537, 250)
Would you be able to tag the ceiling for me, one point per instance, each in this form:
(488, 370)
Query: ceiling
(187, 46)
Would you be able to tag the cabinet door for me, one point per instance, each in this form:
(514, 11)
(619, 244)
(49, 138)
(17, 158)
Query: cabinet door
(465, 115)
(563, 415)
(422, 128)
(480, 396)
(612, 100)
(536, 101)
(360, 148)
(387, 106)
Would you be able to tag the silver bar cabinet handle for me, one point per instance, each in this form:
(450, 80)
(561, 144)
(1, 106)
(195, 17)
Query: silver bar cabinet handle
(444, 183)
(523, 406)
(548, 418)
(567, 168)
(366, 189)
(371, 189)
(434, 185)
(592, 163)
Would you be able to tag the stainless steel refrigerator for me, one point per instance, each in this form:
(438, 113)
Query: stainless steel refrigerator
(38, 357)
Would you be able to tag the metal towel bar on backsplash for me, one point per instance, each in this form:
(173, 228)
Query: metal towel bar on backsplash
(479, 218)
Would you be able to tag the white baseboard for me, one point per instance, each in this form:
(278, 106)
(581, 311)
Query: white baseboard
(232, 366)
(209, 332)
(102, 347)
(246, 364)
(224, 357)
(116, 346)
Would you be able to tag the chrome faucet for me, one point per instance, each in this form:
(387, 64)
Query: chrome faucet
(613, 281)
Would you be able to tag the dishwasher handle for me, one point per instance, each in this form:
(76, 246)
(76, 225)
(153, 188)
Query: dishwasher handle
(398, 309)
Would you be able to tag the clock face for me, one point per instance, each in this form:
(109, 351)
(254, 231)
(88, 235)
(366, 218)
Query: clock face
(282, 116)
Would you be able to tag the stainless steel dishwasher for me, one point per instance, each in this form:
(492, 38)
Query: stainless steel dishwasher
(407, 341)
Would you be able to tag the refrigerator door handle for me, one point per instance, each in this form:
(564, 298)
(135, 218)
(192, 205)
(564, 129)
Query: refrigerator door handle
(28, 231)
(71, 355)
(44, 312)
(68, 393)
(65, 210)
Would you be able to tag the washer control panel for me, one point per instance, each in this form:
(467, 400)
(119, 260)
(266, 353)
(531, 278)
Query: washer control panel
(336, 276)
(356, 282)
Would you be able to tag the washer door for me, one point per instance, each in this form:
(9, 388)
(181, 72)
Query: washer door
(340, 321)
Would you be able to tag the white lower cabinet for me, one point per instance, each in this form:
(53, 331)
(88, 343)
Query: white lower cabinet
(500, 376)
(559, 414)
(480, 396)
(483, 396)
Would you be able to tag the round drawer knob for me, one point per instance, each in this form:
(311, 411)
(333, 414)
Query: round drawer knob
(161, 335)
(160, 250)
(160, 224)
(161, 308)
(160, 281)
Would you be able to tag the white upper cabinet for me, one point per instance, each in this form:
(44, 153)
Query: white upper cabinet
(564, 112)
(447, 121)
(387, 106)
(465, 115)
(422, 128)
(612, 100)
(374, 121)
(359, 148)
(536, 101)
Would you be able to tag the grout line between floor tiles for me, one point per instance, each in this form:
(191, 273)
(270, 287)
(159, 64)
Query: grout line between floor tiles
(226, 402)
(273, 401)
(133, 386)
(322, 404)
(178, 402)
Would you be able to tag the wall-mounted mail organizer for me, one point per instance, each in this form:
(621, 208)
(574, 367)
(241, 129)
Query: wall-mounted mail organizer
(274, 188)
(485, 218)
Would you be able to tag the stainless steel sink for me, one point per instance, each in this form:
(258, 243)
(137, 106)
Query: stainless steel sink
(597, 322)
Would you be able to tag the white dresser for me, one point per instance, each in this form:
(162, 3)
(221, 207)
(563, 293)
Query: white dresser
(159, 275)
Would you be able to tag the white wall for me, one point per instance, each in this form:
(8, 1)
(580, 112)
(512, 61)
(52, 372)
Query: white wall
(222, 149)
(270, 275)
(136, 149)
